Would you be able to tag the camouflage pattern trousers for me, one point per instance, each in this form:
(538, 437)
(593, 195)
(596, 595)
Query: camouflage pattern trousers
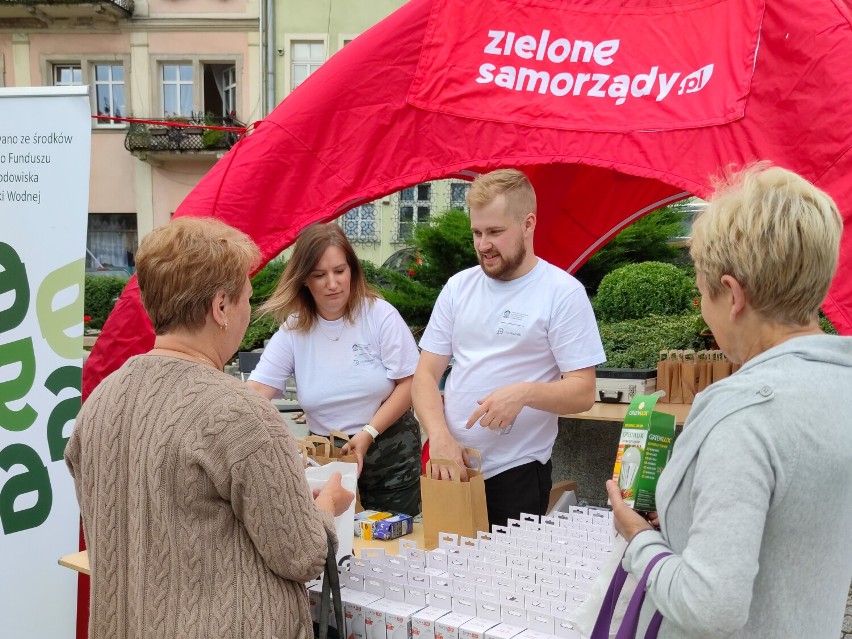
(390, 479)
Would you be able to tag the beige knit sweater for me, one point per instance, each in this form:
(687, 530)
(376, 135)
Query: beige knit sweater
(196, 511)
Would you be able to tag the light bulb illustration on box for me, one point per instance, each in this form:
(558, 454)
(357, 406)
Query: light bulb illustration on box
(630, 461)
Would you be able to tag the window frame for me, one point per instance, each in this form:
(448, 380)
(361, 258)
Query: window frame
(87, 63)
(289, 40)
(197, 62)
(416, 203)
(375, 238)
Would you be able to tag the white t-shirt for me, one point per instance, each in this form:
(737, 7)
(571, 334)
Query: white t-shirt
(529, 329)
(343, 371)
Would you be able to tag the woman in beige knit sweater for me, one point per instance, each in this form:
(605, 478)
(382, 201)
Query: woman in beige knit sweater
(197, 515)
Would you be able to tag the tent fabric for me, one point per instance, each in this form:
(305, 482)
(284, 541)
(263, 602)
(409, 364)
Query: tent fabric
(349, 134)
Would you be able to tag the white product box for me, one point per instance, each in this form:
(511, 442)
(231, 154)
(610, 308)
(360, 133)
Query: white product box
(398, 620)
(374, 619)
(464, 588)
(498, 558)
(540, 566)
(553, 593)
(522, 575)
(522, 563)
(532, 634)
(481, 579)
(488, 610)
(355, 605)
(423, 622)
(456, 562)
(511, 598)
(537, 604)
(564, 572)
(530, 519)
(533, 554)
(503, 583)
(436, 559)
(419, 579)
(548, 580)
(478, 565)
(527, 588)
(458, 573)
(475, 628)
(447, 627)
(415, 595)
(441, 582)
(374, 585)
(501, 571)
(373, 554)
(464, 605)
(395, 591)
(448, 541)
(541, 622)
(352, 580)
(513, 615)
(440, 598)
(564, 629)
(503, 631)
(485, 593)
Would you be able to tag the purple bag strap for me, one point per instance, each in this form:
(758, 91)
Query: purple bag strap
(630, 623)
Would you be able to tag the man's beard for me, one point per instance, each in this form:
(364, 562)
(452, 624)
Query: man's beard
(505, 268)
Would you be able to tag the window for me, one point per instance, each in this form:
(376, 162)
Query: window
(67, 75)
(109, 92)
(359, 224)
(177, 90)
(415, 206)
(194, 89)
(111, 240)
(305, 58)
(458, 195)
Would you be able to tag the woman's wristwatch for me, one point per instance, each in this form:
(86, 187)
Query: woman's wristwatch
(371, 430)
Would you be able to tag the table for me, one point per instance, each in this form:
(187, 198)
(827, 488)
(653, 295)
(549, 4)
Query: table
(606, 412)
(79, 561)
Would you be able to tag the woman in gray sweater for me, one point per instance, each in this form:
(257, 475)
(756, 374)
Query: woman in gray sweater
(755, 505)
(197, 515)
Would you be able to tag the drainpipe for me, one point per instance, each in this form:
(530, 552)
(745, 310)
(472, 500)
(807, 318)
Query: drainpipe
(270, 56)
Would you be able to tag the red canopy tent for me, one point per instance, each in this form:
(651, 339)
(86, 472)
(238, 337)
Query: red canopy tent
(612, 107)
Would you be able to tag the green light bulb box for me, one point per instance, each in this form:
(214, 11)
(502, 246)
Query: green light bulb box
(647, 438)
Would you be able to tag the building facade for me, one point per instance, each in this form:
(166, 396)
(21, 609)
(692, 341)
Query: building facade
(306, 34)
(187, 62)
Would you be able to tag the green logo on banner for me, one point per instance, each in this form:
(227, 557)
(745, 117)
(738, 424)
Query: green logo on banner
(52, 323)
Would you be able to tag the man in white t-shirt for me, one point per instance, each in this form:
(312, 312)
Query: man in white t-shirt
(525, 344)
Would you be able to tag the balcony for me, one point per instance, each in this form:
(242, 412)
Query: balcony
(48, 13)
(186, 138)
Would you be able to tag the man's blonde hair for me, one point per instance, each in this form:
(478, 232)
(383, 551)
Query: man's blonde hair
(181, 267)
(512, 184)
(777, 235)
(292, 297)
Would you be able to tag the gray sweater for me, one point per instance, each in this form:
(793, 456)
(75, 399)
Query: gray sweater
(198, 517)
(756, 502)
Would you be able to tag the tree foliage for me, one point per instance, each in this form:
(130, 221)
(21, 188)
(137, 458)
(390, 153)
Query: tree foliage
(647, 239)
(446, 246)
(638, 290)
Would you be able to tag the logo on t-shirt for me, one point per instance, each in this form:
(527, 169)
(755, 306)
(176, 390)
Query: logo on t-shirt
(512, 323)
(361, 354)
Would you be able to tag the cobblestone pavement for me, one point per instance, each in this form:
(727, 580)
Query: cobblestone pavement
(846, 633)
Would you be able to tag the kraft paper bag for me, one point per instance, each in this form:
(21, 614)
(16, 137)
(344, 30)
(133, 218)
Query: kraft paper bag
(675, 361)
(453, 506)
(664, 376)
(688, 377)
(336, 451)
(721, 366)
(705, 370)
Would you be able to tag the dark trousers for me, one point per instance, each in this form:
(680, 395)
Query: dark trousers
(523, 489)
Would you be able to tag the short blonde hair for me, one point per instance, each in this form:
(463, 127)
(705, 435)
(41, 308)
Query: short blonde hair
(512, 184)
(181, 267)
(292, 297)
(777, 235)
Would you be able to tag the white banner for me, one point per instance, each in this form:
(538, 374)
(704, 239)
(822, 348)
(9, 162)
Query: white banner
(45, 142)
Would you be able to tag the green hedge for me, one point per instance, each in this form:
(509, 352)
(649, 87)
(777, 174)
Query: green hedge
(100, 294)
(637, 343)
(639, 290)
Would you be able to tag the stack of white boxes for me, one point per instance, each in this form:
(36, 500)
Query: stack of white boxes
(517, 582)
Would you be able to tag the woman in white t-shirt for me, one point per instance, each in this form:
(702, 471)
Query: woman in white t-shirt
(353, 358)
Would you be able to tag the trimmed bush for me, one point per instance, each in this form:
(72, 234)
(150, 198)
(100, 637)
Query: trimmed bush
(413, 300)
(446, 244)
(637, 343)
(638, 290)
(100, 294)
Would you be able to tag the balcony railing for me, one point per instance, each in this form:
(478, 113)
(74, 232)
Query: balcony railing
(189, 137)
(65, 11)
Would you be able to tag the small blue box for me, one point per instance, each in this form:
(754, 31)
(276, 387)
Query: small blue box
(393, 527)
